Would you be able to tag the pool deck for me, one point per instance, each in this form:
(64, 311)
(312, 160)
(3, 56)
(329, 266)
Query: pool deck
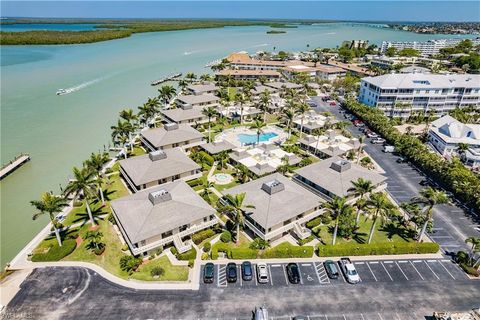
(231, 135)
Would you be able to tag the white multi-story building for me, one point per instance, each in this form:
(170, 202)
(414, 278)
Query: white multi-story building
(426, 48)
(400, 95)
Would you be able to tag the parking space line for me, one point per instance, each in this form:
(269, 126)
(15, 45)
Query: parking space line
(345, 318)
(386, 270)
(401, 270)
(417, 270)
(285, 274)
(240, 275)
(270, 274)
(432, 269)
(379, 315)
(255, 274)
(373, 274)
(316, 271)
(361, 315)
(451, 275)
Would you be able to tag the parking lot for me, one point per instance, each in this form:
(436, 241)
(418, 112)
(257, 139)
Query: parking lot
(314, 274)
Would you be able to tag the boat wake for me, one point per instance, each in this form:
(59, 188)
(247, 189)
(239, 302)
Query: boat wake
(261, 45)
(78, 87)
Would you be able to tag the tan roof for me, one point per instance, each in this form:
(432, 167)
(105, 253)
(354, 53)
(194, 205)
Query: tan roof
(231, 72)
(160, 137)
(141, 219)
(351, 67)
(142, 169)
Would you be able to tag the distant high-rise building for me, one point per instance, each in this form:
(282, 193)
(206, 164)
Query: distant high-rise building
(426, 48)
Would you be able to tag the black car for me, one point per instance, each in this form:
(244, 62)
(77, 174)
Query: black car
(208, 273)
(331, 269)
(231, 272)
(293, 273)
(425, 183)
(401, 160)
(247, 271)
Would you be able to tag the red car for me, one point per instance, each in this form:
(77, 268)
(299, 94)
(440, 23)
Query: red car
(333, 104)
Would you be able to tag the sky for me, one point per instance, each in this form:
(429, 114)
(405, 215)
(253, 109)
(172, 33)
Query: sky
(386, 10)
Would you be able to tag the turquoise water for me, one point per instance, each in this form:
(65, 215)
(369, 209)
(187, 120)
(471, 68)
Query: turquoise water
(252, 138)
(59, 132)
(47, 26)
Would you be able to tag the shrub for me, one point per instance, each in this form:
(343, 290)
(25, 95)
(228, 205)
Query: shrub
(208, 158)
(157, 271)
(191, 263)
(313, 223)
(173, 250)
(306, 240)
(198, 237)
(259, 243)
(130, 263)
(226, 237)
(470, 270)
(204, 256)
(207, 247)
(189, 255)
(98, 251)
(356, 249)
(326, 219)
(125, 247)
(56, 253)
(152, 256)
(242, 253)
(286, 250)
(77, 204)
(159, 251)
(195, 182)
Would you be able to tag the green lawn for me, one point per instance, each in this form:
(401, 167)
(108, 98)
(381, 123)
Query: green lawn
(380, 235)
(231, 93)
(172, 273)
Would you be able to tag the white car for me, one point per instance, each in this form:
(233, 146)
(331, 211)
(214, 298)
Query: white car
(349, 271)
(262, 272)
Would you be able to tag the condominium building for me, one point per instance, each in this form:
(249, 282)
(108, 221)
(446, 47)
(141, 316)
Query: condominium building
(169, 213)
(277, 206)
(171, 135)
(447, 133)
(400, 95)
(426, 48)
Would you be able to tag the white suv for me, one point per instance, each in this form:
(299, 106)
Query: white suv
(262, 272)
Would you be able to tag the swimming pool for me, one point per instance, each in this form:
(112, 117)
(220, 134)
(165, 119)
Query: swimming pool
(252, 138)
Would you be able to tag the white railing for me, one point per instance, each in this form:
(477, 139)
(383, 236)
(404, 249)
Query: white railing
(180, 245)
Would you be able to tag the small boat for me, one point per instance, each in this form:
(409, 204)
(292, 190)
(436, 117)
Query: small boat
(61, 91)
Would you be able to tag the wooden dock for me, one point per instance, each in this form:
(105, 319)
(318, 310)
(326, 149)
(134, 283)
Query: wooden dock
(13, 165)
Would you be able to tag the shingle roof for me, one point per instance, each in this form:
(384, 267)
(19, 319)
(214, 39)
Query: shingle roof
(217, 147)
(203, 87)
(271, 209)
(179, 114)
(337, 183)
(196, 99)
(141, 219)
(280, 85)
(160, 137)
(142, 169)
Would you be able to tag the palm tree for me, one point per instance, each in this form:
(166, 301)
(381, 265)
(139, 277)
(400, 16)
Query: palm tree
(360, 188)
(222, 158)
(242, 173)
(264, 103)
(381, 208)
(209, 112)
(241, 99)
(206, 191)
(462, 147)
(301, 110)
(128, 115)
(206, 77)
(182, 84)
(166, 93)
(95, 238)
(95, 164)
(429, 197)
(51, 204)
(121, 134)
(84, 184)
(337, 208)
(318, 133)
(288, 114)
(237, 206)
(190, 77)
(361, 140)
(285, 167)
(258, 125)
(475, 242)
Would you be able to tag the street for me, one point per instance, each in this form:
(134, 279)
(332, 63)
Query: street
(79, 293)
(452, 224)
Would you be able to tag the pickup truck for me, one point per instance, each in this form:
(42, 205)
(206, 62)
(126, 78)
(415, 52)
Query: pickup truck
(349, 271)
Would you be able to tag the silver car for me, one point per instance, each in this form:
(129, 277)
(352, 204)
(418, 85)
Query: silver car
(262, 272)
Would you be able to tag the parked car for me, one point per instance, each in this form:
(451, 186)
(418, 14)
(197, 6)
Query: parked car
(208, 273)
(349, 270)
(331, 269)
(333, 104)
(372, 134)
(401, 160)
(377, 141)
(261, 313)
(247, 272)
(300, 318)
(262, 273)
(293, 273)
(388, 149)
(425, 183)
(231, 272)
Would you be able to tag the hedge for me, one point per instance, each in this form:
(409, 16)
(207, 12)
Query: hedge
(208, 158)
(356, 249)
(56, 253)
(470, 270)
(313, 223)
(189, 255)
(198, 237)
(286, 250)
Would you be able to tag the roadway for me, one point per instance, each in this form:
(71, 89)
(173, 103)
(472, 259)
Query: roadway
(79, 293)
(452, 223)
